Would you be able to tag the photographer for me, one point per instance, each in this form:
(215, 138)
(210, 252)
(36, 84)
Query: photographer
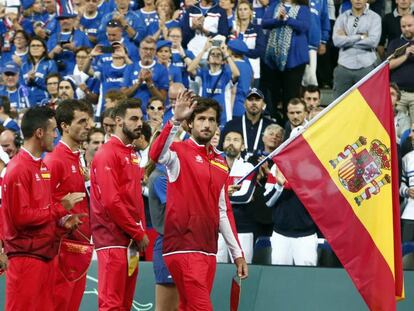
(217, 78)
(110, 74)
(62, 45)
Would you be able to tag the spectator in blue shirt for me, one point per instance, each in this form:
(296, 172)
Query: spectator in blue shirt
(133, 25)
(159, 28)
(35, 70)
(164, 58)
(19, 52)
(180, 58)
(238, 49)
(146, 78)
(91, 20)
(18, 94)
(148, 13)
(216, 80)
(5, 118)
(62, 45)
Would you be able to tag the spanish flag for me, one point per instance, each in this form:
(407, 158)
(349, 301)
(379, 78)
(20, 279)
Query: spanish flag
(344, 169)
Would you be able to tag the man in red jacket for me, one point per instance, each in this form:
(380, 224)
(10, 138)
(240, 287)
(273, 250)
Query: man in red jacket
(194, 218)
(73, 119)
(30, 218)
(117, 208)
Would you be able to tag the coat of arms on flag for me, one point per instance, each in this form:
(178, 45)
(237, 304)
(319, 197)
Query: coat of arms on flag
(359, 167)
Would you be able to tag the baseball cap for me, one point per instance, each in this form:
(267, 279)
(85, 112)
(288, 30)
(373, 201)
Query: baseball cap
(11, 67)
(255, 91)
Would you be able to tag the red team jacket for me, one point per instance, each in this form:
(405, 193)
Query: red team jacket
(67, 176)
(197, 201)
(117, 208)
(29, 215)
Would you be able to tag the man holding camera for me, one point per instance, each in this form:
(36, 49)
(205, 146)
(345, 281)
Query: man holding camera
(62, 45)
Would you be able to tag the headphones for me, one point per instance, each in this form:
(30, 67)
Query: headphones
(18, 140)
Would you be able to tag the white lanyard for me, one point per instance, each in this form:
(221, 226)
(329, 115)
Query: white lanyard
(256, 141)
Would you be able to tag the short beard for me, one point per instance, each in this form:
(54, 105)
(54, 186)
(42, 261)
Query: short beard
(231, 152)
(130, 134)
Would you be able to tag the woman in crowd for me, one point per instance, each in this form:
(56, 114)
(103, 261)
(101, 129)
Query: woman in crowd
(251, 34)
(287, 51)
(159, 28)
(36, 68)
(155, 113)
(19, 51)
(180, 58)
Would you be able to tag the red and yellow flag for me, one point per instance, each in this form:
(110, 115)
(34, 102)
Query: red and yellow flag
(344, 169)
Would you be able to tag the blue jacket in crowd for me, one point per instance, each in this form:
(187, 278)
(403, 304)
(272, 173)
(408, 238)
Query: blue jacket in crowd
(299, 51)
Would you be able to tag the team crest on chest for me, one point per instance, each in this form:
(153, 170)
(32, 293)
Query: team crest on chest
(199, 159)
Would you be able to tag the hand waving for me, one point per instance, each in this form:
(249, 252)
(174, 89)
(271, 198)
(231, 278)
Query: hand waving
(184, 105)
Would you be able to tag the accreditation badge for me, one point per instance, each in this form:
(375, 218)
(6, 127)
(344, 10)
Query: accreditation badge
(74, 258)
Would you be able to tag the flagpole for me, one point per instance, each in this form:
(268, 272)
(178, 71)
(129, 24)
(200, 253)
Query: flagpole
(321, 114)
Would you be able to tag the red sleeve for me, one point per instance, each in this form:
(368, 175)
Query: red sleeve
(159, 143)
(21, 209)
(56, 175)
(105, 171)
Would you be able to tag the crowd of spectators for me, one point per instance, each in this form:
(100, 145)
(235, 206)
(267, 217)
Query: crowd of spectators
(264, 61)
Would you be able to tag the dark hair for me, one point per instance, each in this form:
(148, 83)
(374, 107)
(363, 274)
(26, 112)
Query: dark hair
(154, 98)
(35, 118)
(311, 89)
(301, 2)
(65, 112)
(297, 101)
(45, 56)
(108, 113)
(95, 130)
(130, 103)
(397, 89)
(203, 104)
(5, 103)
(146, 131)
(233, 131)
(25, 35)
(53, 75)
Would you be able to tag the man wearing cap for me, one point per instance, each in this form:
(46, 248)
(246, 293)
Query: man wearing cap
(132, 24)
(146, 78)
(62, 45)
(17, 94)
(238, 50)
(251, 124)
